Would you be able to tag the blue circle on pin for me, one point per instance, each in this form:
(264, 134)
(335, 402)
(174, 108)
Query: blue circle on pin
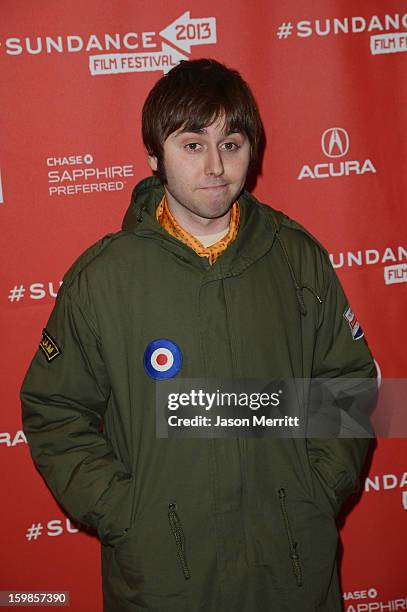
(162, 359)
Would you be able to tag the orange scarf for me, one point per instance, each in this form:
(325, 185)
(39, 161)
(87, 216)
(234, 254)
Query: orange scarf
(169, 223)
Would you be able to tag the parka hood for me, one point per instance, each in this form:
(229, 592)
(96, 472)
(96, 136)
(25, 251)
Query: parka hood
(258, 226)
(148, 193)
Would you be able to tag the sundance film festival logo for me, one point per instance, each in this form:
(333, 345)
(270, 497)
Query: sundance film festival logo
(119, 63)
(388, 482)
(369, 257)
(395, 271)
(52, 528)
(395, 274)
(35, 291)
(386, 39)
(388, 43)
(128, 52)
(335, 145)
(183, 33)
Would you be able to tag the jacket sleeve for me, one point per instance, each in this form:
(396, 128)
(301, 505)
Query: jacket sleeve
(64, 396)
(341, 354)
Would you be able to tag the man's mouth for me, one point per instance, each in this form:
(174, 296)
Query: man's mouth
(218, 187)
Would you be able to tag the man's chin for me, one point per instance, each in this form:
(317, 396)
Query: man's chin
(213, 214)
(215, 210)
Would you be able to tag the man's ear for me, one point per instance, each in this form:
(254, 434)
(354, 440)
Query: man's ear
(152, 161)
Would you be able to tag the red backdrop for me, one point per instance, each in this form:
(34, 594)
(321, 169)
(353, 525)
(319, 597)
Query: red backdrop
(330, 80)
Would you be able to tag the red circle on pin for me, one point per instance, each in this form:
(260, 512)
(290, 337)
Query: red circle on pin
(162, 359)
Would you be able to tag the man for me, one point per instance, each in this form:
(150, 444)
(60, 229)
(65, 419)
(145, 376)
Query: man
(202, 282)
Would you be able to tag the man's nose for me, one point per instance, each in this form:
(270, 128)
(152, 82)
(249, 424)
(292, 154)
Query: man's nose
(213, 162)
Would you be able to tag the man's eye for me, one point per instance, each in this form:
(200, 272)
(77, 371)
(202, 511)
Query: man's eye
(230, 146)
(192, 146)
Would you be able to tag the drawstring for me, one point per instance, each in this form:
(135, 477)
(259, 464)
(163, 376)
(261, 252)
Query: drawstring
(295, 560)
(310, 289)
(176, 528)
(298, 288)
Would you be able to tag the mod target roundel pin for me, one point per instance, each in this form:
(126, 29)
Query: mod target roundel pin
(162, 359)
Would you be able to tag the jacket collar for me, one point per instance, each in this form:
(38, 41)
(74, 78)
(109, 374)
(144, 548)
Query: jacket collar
(258, 226)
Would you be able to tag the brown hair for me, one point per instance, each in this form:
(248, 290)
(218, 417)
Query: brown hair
(192, 96)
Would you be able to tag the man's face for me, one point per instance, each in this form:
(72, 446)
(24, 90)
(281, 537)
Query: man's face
(205, 171)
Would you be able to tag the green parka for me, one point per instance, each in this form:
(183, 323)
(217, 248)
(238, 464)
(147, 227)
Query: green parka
(196, 525)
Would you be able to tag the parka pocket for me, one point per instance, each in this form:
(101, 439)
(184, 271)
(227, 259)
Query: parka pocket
(292, 544)
(152, 557)
(178, 533)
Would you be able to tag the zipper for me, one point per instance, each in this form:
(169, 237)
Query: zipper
(178, 533)
(295, 559)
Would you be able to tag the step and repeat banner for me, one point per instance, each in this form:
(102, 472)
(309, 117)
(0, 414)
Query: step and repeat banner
(331, 84)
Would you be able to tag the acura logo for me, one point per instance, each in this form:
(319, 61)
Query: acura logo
(335, 142)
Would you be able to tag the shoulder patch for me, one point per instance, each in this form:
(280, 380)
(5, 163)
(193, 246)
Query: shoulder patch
(356, 330)
(48, 346)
